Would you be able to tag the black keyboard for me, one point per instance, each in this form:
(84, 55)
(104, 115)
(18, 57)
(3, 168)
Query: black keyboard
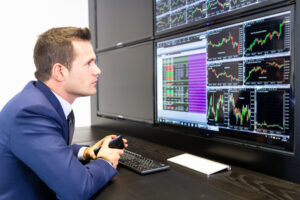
(140, 164)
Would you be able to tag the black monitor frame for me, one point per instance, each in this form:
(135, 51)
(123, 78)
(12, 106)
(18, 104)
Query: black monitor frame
(224, 137)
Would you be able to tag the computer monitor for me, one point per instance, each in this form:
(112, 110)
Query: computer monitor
(118, 22)
(234, 81)
(172, 15)
(124, 91)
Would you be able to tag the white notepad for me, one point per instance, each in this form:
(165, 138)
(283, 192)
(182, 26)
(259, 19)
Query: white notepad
(199, 164)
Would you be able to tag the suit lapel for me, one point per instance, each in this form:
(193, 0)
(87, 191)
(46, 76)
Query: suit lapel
(55, 103)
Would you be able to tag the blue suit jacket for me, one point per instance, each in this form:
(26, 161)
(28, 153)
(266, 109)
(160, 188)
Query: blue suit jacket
(35, 160)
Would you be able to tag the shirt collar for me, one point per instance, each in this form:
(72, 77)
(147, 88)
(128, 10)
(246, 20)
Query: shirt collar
(66, 106)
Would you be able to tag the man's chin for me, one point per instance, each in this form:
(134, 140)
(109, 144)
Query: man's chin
(86, 94)
(92, 92)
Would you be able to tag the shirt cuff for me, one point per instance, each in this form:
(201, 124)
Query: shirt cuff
(80, 153)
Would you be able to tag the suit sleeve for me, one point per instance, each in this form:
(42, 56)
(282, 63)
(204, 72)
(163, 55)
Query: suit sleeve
(37, 141)
(76, 148)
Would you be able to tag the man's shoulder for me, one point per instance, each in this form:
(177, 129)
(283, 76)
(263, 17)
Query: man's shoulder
(30, 96)
(28, 103)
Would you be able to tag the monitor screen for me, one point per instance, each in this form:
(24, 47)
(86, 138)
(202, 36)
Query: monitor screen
(234, 81)
(124, 92)
(174, 14)
(118, 22)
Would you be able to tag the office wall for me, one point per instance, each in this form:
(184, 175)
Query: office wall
(21, 22)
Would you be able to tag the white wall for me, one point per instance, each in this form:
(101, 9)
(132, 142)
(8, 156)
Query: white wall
(21, 21)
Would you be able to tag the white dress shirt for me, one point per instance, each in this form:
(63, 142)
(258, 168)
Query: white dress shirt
(67, 108)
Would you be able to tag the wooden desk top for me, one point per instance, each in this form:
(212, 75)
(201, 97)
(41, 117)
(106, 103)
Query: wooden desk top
(182, 183)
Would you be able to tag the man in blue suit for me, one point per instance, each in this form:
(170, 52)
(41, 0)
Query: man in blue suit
(36, 160)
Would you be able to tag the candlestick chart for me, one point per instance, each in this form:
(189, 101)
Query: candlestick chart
(217, 110)
(241, 104)
(235, 4)
(215, 7)
(175, 4)
(196, 12)
(163, 22)
(178, 18)
(273, 111)
(162, 6)
(267, 36)
(225, 43)
(222, 73)
(267, 71)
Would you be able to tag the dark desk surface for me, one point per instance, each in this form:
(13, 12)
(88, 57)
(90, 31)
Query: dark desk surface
(182, 183)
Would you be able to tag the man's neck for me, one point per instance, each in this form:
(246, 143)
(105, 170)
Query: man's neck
(59, 90)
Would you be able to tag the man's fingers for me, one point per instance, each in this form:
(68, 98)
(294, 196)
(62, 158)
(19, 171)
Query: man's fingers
(92, 154)
(112, 136)
(107, 141)
(120, 151)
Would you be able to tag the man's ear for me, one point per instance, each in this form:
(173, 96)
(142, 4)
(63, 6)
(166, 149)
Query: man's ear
(59, 72)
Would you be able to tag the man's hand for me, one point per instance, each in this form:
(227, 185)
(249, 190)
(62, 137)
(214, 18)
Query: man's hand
(109, 154)
(89, 151)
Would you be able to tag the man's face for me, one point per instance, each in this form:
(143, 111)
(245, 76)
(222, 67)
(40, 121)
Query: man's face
(83, 75)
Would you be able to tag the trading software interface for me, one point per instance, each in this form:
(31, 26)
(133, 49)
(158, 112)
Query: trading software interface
(234, 78)
(175, 13)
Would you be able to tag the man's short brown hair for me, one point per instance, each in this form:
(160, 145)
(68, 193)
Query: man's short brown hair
(55, 46)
